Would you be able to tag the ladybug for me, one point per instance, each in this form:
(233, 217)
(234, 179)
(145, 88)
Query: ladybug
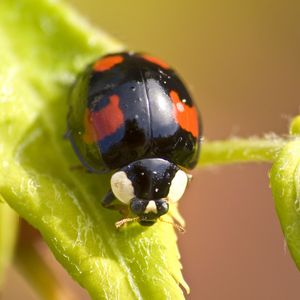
(131, 115)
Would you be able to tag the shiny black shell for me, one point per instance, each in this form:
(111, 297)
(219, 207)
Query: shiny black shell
(128, 106)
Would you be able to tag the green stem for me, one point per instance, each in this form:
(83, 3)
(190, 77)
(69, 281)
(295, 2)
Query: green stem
(239, 150)
(8, 233)
(30, 261)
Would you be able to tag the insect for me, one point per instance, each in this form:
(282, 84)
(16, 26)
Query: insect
(131, 115)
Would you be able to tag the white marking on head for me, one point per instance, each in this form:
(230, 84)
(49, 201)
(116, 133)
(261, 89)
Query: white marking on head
(122, 187)
(178, 186)
(151, 207)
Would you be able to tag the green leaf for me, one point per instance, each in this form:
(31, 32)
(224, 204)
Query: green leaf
(285, 184)
(43, 46)
(8, 235)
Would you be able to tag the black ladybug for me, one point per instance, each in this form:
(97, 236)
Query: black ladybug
(130, 114)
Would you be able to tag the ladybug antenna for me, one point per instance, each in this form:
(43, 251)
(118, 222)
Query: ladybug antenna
(175, 225)
(120, 223)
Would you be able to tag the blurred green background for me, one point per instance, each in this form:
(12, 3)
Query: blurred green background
(241, 61)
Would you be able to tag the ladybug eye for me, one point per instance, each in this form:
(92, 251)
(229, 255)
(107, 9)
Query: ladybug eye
(178, 186)
(122, 187)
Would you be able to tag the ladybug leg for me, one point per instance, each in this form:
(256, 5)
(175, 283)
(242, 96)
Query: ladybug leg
(80, 168)
(108, 199)
(111, 202)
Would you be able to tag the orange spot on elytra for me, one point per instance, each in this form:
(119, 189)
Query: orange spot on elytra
(185, 116)
(107, 63)
(104, 122)
(156, 61)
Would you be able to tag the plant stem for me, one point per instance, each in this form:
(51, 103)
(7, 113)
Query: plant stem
(30, 261)
(9, 221)
(239, 150)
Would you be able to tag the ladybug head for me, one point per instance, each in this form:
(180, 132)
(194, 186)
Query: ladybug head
(148, 186)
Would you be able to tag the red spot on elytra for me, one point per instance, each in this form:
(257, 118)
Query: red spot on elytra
(156, 61)
(102, 123)
(107, 63)
(185, 116)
